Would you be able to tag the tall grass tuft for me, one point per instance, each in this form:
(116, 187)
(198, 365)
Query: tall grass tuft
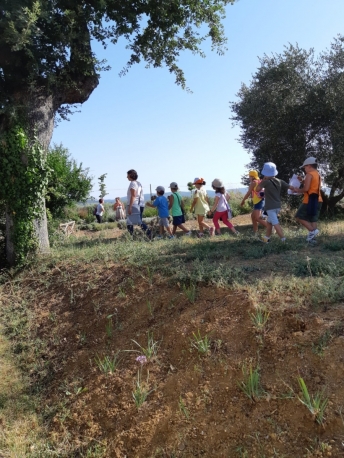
(251, 383)
(315, 404)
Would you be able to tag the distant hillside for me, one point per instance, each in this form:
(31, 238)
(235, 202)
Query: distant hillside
(210, 193)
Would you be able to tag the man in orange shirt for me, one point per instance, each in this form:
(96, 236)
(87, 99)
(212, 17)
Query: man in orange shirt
(309, 210)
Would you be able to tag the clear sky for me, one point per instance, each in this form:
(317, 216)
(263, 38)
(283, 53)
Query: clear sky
(146, 122)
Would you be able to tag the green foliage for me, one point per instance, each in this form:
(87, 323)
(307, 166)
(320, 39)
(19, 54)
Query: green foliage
(102, 186)
(251, 383)
(107, 364)
(24, 176)
(315, 404)
(293, 108)
(152, 348)
(260, 317)
(141, 390)
(202, 344)
(68, 182)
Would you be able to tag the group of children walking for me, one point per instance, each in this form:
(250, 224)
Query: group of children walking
(265, 193)
(200, 205)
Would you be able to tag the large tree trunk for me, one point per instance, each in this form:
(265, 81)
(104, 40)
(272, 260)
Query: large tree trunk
(38, 109)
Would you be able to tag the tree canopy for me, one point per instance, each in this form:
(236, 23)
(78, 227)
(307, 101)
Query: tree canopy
(45, 44)
(292, 109)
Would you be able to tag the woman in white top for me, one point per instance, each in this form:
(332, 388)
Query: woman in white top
(134, 197)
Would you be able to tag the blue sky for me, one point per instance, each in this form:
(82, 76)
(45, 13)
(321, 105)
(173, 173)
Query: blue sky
(146, 122)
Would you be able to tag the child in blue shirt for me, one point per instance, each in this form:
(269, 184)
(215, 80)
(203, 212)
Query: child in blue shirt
(161, 204)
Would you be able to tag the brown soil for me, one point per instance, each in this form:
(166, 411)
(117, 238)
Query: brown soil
(196, 407)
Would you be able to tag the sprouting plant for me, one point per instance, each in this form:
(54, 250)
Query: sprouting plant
(121, 293)
(251, 383)
(260, 317)
(52, 316)
(152, 347)
(315, 404)
(182, 408)
(108, 364)
(109, 327)
(150, 307)
(323, 341)
(190, 292)
(141, 390)
(202, 344)
(82, 337)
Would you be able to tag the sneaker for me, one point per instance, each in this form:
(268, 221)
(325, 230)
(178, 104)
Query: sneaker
(171, 237)
(200, 235)
(158, 237)
(283, 239)
(265, 239)
(211, 231)
(187, 233)
(236, 233)
(312, 234)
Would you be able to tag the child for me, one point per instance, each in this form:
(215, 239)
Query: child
(257, 199)
(162, 205)
(272, 188)
(201, 206)
(221, 206)
(176, 205)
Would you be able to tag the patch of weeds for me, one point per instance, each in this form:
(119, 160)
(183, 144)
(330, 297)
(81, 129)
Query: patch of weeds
(202, 344)
(82, 338)
(319, 267)
(315, 404)
(121, 293)
(108, 364)
(95, 451)
(319, 346)
(152, 348)
(327, 290)
(190, 292)
(242, 452)
(183, 409)
(260, 317)
(334, 245)
(251, 383)
(141, 390)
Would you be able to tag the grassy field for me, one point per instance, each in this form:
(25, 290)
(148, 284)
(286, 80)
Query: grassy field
(240, 342)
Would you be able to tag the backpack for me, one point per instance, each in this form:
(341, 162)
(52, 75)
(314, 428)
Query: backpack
(95, 210)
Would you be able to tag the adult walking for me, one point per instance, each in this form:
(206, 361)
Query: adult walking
(100, 211)
(309, 211)
(134, 194)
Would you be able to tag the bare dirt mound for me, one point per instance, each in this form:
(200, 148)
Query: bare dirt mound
(195, 406)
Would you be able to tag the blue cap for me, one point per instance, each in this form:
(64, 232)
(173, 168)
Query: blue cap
(269, 169)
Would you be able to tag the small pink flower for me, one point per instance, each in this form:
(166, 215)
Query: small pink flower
(141, 359)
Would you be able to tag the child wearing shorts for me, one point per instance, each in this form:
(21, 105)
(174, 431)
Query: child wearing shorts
(201, 206)
(257, 200)
(161, 204)
(272, 189)
(221, 206)
(176, 205)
